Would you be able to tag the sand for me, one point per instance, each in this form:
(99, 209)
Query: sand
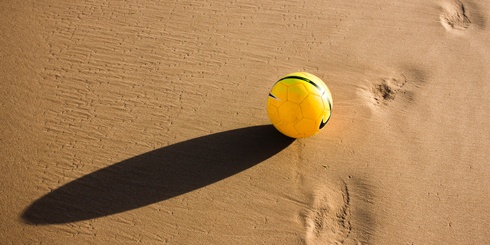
(144, 122)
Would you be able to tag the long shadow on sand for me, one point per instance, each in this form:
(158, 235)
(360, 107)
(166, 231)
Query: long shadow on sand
(157, 175)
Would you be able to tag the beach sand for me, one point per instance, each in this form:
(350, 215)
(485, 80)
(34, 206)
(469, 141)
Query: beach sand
(144, 122)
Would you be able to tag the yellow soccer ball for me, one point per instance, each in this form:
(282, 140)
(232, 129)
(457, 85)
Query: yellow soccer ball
(299, 105)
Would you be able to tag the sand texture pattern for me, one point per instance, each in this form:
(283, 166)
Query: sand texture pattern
(144, 122)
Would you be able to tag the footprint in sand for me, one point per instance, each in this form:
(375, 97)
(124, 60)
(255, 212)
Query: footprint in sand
(387, 89)
(454, 16)
(328, 219)
(382, 90)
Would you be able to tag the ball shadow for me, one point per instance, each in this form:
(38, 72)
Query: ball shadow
(157, 175)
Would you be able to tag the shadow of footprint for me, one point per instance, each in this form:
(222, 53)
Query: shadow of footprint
(328, 219)
(454, 16)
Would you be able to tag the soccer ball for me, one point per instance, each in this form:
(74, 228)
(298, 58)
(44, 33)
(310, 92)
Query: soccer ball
(299, 105)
